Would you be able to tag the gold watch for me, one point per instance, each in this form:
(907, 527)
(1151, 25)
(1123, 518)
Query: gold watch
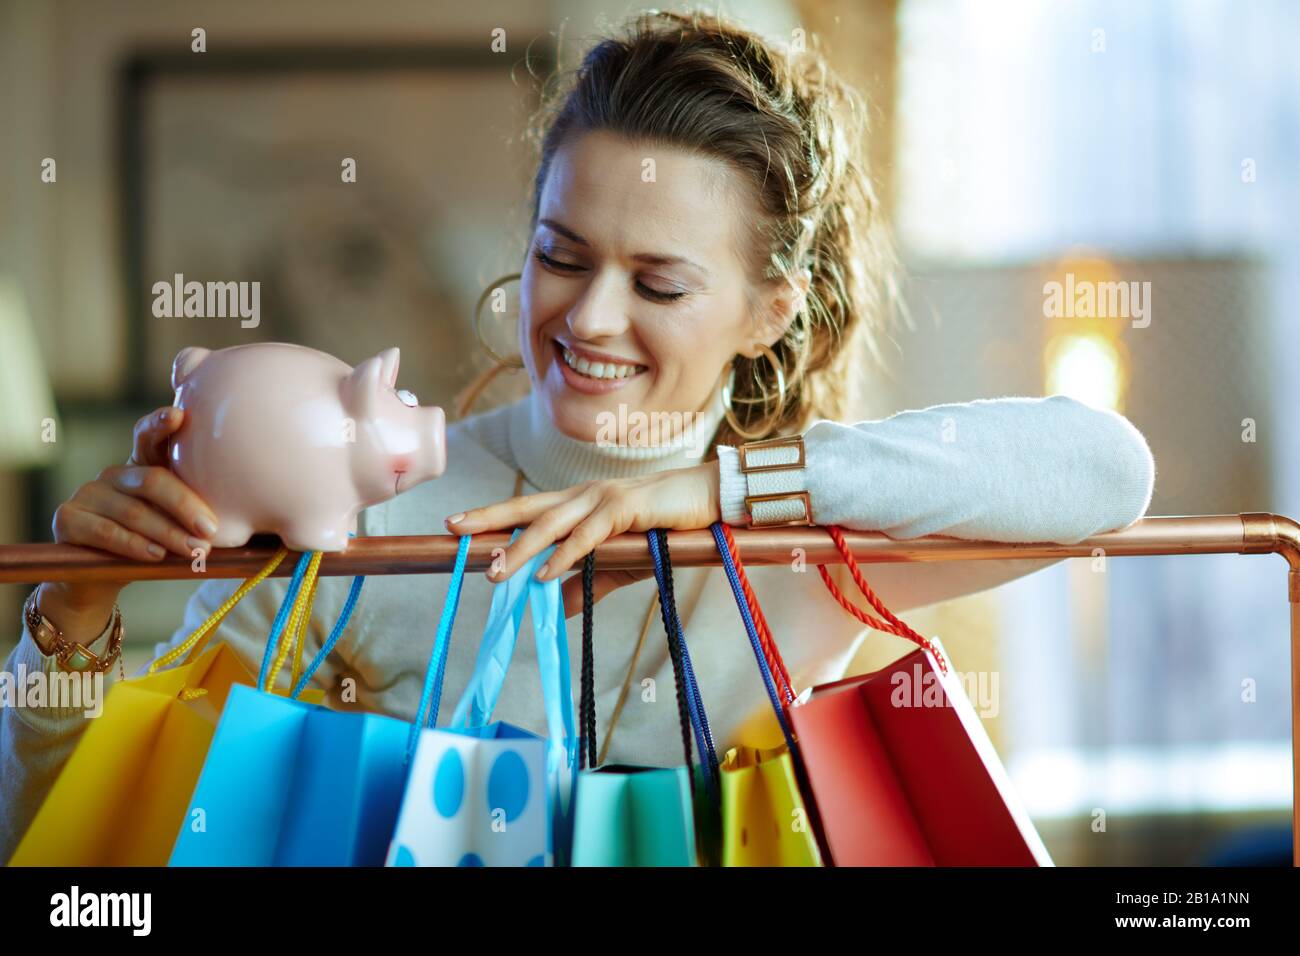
(72, 656)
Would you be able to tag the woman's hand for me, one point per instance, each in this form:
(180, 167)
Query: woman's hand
(581, 517)
(139, 510)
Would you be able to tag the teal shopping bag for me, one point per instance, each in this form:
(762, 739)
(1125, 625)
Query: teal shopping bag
(485, 793)
(288, 783)
(648, 816)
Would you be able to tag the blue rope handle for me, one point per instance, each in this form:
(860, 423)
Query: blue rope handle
(730, 567)
(339, 626)
(432, 695)
(695, 703)
(282, 616)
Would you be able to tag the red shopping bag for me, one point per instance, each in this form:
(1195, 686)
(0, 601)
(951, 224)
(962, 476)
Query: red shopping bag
(899, 766)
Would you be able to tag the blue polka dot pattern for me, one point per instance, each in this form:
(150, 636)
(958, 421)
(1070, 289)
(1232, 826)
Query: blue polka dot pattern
(449, 783)
(471, 859)
(538, 860)
(507, 788)
(403, 857)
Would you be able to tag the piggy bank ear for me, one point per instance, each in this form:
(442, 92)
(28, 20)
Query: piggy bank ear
(187, 360)
(370, 378)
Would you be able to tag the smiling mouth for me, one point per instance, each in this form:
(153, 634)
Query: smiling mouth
(598, 371)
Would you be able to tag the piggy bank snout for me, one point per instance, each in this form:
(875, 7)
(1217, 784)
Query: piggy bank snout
(434, 439)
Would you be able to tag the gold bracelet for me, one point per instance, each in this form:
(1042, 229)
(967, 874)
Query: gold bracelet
(71, 656)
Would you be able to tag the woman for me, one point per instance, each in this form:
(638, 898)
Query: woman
(701, 216)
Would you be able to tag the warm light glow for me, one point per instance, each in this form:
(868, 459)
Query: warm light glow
(1087, 367)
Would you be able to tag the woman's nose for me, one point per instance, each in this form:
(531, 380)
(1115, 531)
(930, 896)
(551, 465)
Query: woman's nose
(601, 311)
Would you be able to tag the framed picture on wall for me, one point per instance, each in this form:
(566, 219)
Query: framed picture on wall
(345, 199)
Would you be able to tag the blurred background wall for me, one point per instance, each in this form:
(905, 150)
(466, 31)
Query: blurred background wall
(1014, 145)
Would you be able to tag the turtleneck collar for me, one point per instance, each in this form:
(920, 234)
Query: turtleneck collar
(551, 460)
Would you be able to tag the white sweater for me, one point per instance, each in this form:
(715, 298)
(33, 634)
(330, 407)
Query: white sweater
(1009, 469)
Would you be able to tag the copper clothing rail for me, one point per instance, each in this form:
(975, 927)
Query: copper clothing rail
(1252, 533)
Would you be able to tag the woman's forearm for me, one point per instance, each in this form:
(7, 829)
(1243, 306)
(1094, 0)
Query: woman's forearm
(1011, 469)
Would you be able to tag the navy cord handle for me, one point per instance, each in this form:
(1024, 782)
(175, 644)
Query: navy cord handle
(729, 567)
(658, 540)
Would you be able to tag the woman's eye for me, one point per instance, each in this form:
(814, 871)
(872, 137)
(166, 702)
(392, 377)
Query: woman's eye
(550, 263)
(656, 295)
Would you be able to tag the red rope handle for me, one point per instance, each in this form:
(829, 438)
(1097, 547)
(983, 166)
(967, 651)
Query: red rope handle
(894, 625)
(775, 663)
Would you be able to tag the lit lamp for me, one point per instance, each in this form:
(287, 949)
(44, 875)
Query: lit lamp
(1085, 357)
(28, 425)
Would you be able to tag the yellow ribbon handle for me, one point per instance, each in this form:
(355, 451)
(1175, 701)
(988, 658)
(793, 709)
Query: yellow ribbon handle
(193, 645)
(294, 633)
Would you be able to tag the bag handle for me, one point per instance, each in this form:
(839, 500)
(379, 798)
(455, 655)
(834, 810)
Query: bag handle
(891, 624)
(295, 611)
(194, 644)
(299, 615)
(282, 616)
(437, 669)
(690, 703)
(587, 682)
(545, 604)
(510, 598)
(781, 694)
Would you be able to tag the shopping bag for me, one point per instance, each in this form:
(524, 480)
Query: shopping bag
(901, 769)
(140, 758)
(646, 816)
(765, 820)
(484, 793)
(287, 782)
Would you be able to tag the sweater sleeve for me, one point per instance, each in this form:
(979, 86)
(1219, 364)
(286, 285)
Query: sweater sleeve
(36, 742)
(1007, 469)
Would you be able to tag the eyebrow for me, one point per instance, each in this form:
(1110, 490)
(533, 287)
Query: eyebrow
(652, 258)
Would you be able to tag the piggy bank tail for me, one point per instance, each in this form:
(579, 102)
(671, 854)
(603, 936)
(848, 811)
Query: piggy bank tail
(187, 360)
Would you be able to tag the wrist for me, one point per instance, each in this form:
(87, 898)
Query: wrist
(72, 652)
(81, 612)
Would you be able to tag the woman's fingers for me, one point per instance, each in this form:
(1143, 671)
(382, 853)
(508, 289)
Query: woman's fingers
(597, 527)
(602, 583)
(76, 525)
(163, 489)
(554, 524)
(149, 442)
(141, 517)
(511, 513)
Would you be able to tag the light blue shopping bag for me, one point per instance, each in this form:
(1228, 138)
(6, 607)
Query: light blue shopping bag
(288, 783)
(484, 793)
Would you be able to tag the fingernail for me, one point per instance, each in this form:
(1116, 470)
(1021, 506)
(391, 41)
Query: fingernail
(455, 518)
(156, 550)
(206, 525)
(541, 572)
(197, 544)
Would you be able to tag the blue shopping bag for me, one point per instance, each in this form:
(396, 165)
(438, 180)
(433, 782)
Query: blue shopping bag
(485, 793)
(288, 783)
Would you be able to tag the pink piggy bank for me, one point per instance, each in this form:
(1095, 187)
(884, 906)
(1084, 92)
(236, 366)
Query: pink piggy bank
(286, 439)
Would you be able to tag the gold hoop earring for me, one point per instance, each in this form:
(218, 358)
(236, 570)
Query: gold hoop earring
(728, 384)
(478, 330)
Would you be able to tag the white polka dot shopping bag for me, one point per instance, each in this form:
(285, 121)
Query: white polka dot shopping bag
(484, 793)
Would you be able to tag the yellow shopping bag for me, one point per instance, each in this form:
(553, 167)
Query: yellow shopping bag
(765, 820)
(122, 796)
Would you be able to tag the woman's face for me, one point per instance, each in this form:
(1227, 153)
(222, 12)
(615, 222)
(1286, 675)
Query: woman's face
(639, 284)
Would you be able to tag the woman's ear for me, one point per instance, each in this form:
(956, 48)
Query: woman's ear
(783, 300)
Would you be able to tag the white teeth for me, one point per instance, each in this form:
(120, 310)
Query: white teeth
(606, 370)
